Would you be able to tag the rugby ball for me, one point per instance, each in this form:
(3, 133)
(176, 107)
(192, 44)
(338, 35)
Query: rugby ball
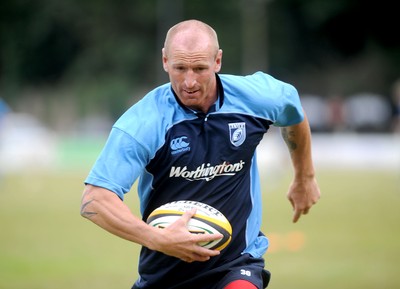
(207, 220)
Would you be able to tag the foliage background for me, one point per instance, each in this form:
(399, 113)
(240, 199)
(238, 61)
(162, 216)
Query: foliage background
(96, 57)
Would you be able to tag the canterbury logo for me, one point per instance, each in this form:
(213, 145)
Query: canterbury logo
(179, 145)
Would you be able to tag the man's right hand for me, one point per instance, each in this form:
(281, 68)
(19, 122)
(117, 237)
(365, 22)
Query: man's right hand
(175, 240)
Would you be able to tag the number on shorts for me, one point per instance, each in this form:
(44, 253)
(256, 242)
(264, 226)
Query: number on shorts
(245, 272)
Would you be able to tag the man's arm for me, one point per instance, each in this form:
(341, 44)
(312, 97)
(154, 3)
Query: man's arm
(107, 210)
(304, 191)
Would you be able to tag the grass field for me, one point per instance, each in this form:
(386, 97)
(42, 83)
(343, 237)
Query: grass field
(351, 239)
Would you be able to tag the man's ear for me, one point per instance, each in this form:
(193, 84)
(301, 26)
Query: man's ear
(164, 60)
(218, 61)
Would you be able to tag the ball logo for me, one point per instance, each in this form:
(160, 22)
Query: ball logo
(179, 145)
(237, 133)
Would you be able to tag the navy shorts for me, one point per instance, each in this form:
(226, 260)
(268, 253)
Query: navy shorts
(250, 269)
(243, 268)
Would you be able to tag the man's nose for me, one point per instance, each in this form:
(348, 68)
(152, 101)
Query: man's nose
(190, 79)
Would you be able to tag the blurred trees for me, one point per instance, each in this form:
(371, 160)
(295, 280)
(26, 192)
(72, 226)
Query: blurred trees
(336, 46)
(101, 55)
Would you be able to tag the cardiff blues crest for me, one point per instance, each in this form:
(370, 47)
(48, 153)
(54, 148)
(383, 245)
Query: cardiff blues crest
(237, 133)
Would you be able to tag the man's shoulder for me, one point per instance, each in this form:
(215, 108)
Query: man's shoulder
(255, 86)
(153, 114)
(158, 96)
(155, 102)
(258, 78)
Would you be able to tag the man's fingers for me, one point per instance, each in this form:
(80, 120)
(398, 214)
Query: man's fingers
(297, 214)
(208, 237)
(188, 215)
(200, 237)
(200, 254)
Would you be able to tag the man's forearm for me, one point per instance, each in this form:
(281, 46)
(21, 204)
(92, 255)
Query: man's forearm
(298, 141)
(106, 210)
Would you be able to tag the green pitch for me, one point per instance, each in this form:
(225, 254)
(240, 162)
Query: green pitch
(349, 240)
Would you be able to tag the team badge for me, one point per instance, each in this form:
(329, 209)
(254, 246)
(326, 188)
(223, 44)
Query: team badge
(237, 133)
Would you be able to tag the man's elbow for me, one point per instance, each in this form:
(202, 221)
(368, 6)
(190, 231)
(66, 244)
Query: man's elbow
(88, 210)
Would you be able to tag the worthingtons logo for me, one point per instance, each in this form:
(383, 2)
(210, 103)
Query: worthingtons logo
(207, 172)
(179, 145)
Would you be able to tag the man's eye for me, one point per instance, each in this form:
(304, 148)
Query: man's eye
(200, 69)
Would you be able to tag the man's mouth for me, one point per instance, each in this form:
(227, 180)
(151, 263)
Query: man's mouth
(191, 92)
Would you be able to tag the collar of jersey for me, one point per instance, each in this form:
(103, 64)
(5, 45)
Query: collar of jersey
(215, 107)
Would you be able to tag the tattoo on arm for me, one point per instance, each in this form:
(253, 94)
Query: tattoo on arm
(87, 214)
(84, 212)
(288, 136)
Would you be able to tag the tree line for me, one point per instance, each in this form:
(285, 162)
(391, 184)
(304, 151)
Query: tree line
(100, 51)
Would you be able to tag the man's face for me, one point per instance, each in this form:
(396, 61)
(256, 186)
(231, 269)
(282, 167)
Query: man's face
(192, 71)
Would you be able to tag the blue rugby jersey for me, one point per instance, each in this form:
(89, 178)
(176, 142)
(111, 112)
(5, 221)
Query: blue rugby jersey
(179, 154)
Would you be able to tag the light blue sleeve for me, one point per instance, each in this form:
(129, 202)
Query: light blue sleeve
(120, 163)
(291, 111)
(281, 101)
(133, 141)
(264, 96)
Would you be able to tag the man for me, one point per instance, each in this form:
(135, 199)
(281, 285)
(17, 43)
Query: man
(220, 119)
